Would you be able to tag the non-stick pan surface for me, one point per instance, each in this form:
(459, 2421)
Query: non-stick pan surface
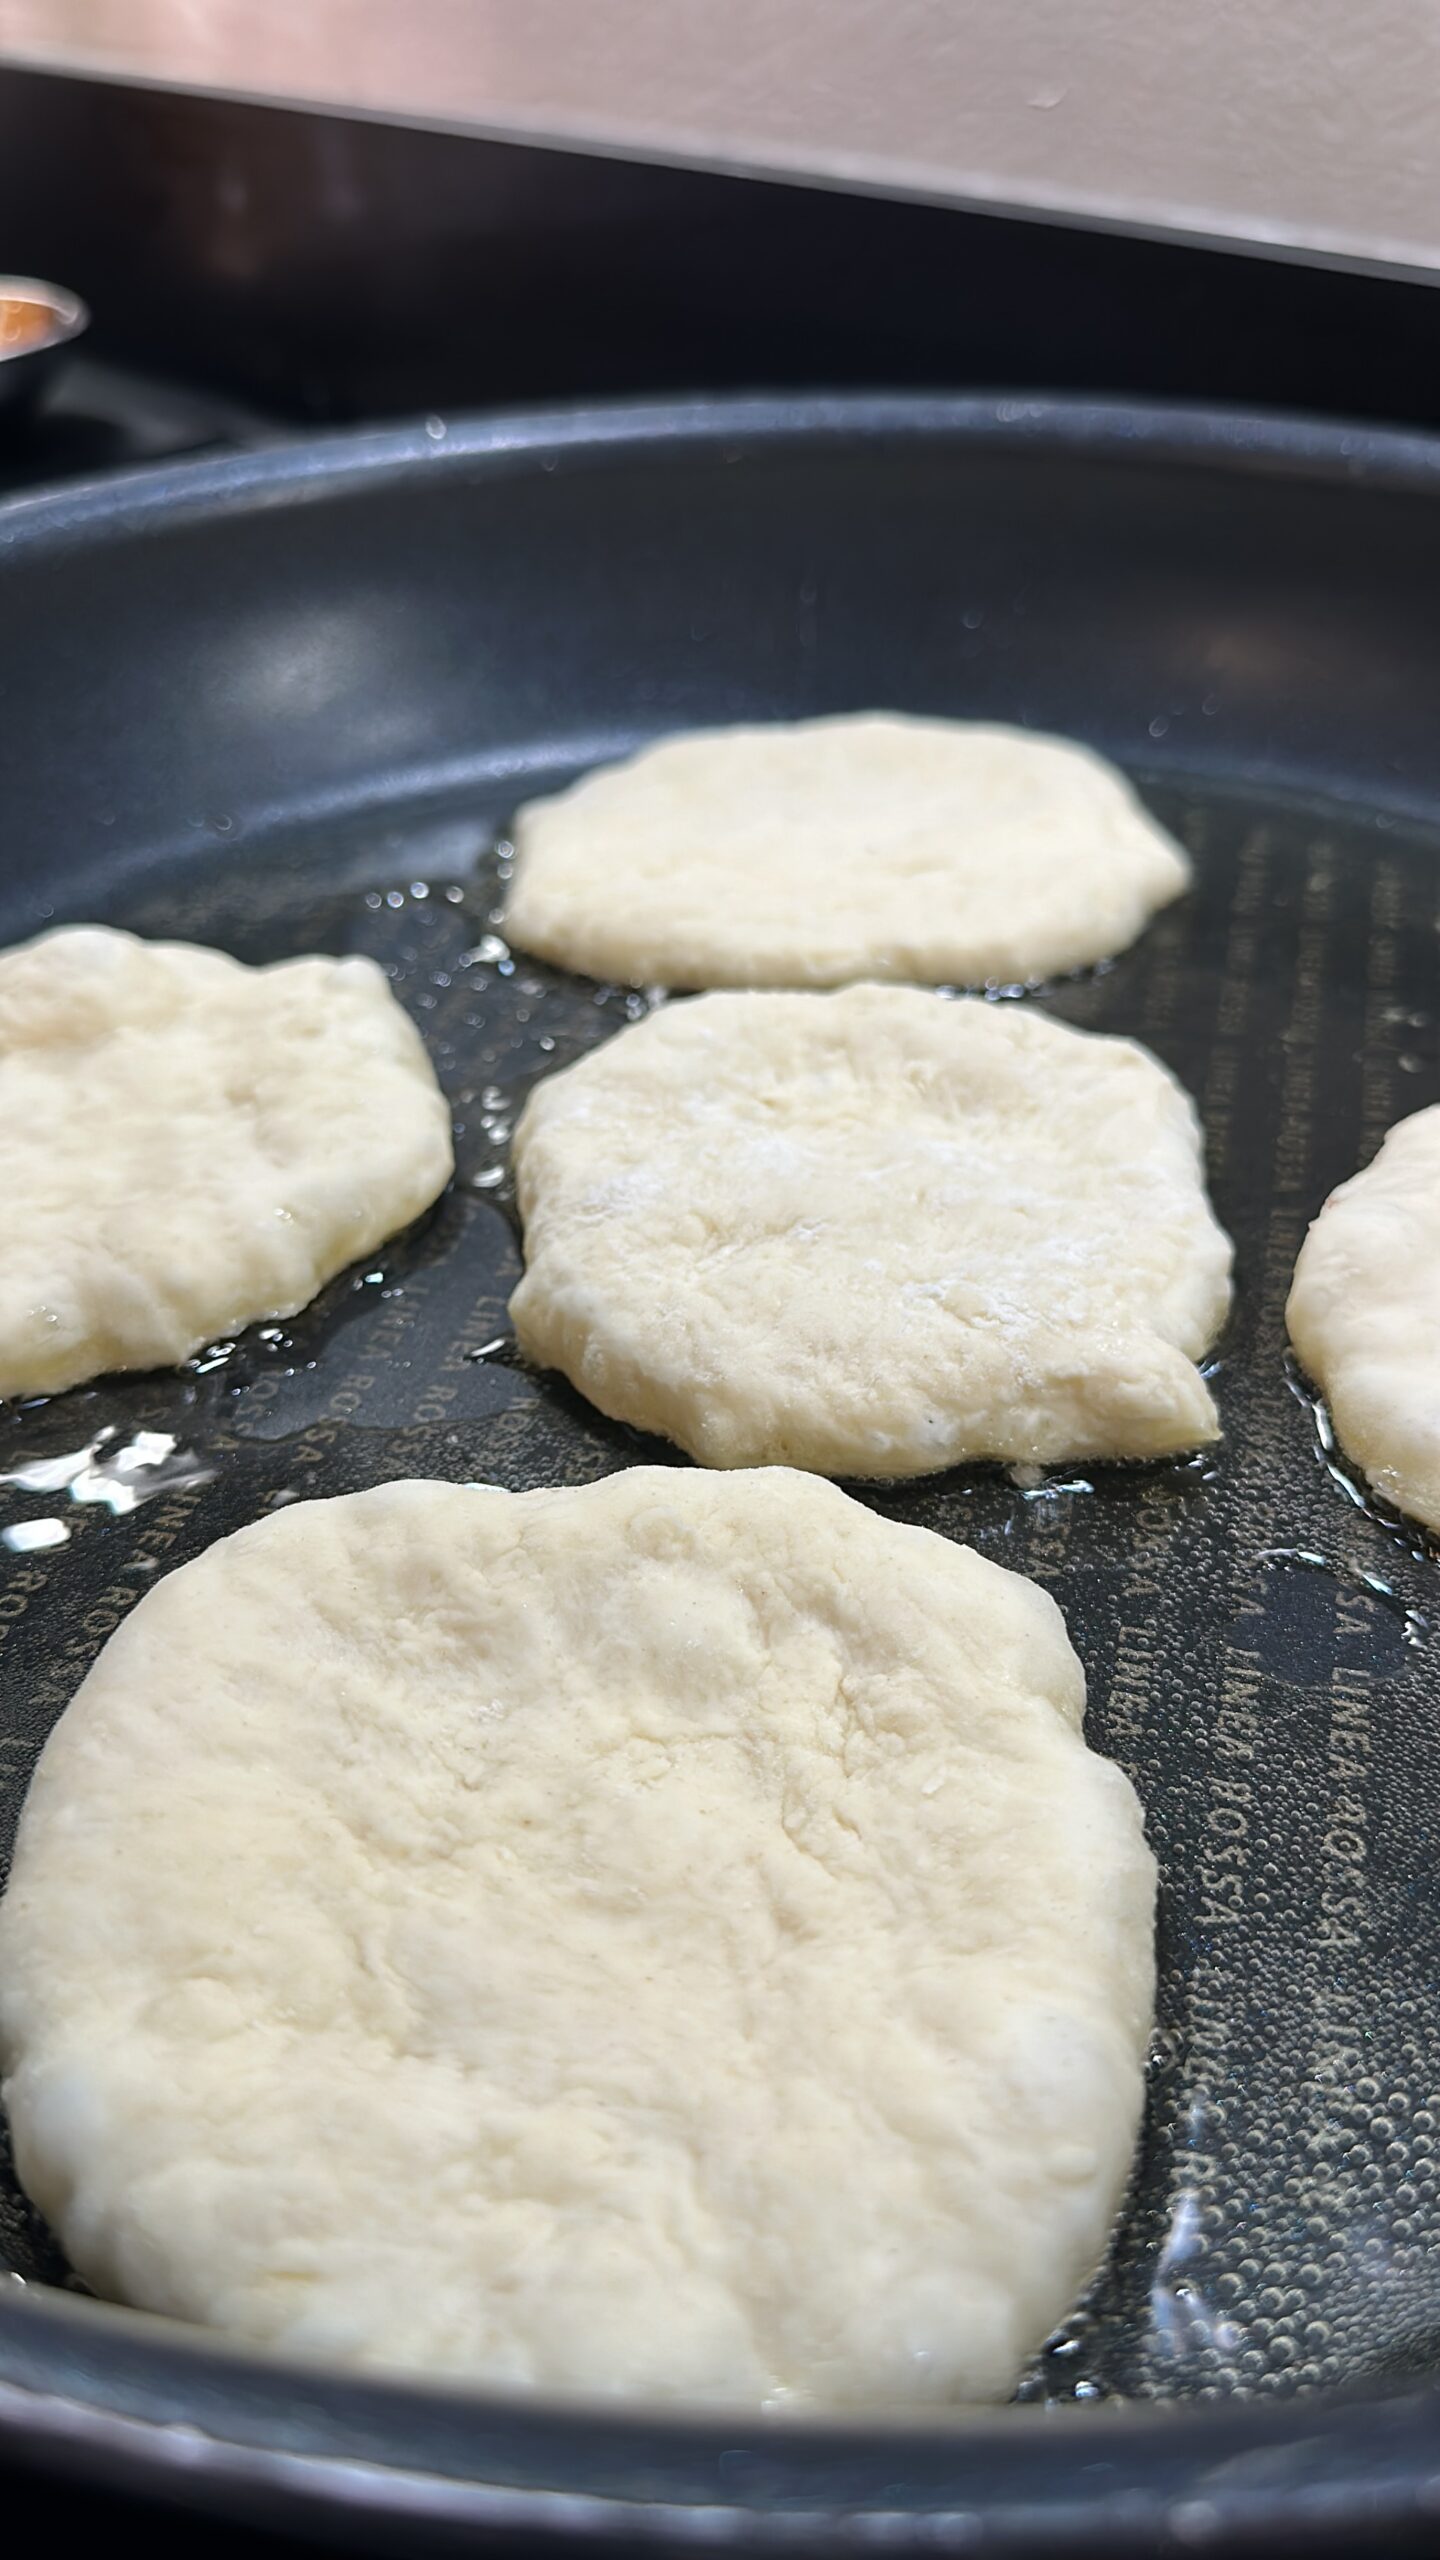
(287, 704)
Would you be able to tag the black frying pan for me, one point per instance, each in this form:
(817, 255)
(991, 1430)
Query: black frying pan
(286, 703)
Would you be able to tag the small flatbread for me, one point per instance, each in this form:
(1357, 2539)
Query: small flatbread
(873, 1233)
(1364, 1315)
(664, 1939)
(187, 1145)
(948, 852)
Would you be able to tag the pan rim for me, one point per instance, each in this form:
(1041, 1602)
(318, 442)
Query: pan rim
(75, 2377)
(308, 469)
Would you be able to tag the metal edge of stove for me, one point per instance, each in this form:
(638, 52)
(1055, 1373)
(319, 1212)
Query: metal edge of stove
(1083, 117)
(89, 2390)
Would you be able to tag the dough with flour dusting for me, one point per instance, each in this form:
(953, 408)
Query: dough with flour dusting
(873, 1233)
(942, 851)
(665, 1939)
(187, 1145)
(1364, 1315)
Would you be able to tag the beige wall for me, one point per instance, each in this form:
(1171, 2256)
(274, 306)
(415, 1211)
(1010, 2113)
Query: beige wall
(1306, 125)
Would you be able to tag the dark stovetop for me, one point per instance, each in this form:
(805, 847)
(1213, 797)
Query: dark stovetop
(108, 417)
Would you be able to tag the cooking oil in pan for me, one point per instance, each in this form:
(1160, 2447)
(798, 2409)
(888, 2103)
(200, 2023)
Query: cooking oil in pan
(1284, 2225)
(1347, 1479)
(1414, 1626)
(119, 1474)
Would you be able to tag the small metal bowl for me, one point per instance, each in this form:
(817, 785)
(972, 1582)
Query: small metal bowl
(37, 324)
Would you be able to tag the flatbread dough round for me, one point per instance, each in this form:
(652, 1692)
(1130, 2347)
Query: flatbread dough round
(872, 1233)
(664, 1938)
(1364, 1315)
(945, 851)
(187, 1145)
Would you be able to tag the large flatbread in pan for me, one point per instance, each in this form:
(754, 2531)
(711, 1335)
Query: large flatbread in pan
(667, 1939)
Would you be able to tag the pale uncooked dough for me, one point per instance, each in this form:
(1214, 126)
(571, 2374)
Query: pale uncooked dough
(668, 1938)
(946, 851)
(187, 1144)
(1364, 1315)
(873, 1233)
